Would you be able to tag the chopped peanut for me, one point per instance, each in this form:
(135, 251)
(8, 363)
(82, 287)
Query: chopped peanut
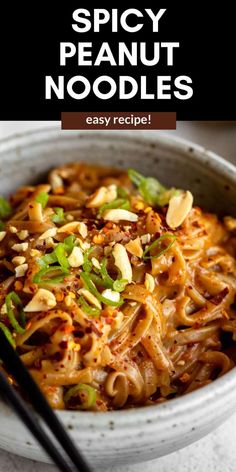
(145, 238)
(3, 310)
(149, 282)
(35, 253)
(23, 234)
(2, 235)
(76, 258)
(111, 295)
(119, 214)
(51, 232)
(95, 263)
(18, 260)
(179, 208)
(21, 247)
(134, 247)
(122, 261)
(74, 227)
(82, 229)
(102, 195)
(56, 183)
(43, 300)
(12, 229)
(83, 244)
(49, 242)
(69, 217)
(20, 270)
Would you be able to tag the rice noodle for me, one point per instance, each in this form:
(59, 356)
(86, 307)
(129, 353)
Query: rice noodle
(134, 346)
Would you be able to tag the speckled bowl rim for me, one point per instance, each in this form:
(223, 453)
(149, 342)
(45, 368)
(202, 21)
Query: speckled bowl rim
(191, 401)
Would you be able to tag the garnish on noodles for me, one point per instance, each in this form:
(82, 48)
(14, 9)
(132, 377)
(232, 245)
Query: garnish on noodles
(116, 291)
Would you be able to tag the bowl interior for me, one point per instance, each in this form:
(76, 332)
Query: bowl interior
(26, 159)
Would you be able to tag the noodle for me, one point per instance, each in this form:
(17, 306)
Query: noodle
(109, 303)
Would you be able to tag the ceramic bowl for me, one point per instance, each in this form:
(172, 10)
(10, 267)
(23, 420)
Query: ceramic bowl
(135, 435)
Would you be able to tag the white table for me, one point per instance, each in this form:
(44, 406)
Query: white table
(217, 451)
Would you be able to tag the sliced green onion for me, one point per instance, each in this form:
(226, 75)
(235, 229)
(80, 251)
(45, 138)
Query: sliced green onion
(53, 280)
(48, 259)
(90, 392)
(135, 177)
(92, 288)
(8, 334)
(156, 243)
(164, 198)
(119, 285)
(61, 256)
(97, 280)
(59, 216)
(42, 198)
(116, 285)
(87, 265)
(121, 203)
(58, 255)
(12, 298)
(108, 281)
(148, 187)
(38, 278)
(5, 207)
(89, 284)
(87, 308)
(122, 192)
(69, 243)
(152, 191)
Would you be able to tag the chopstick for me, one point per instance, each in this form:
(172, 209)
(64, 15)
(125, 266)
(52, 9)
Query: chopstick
(16, 368)
(32, 423)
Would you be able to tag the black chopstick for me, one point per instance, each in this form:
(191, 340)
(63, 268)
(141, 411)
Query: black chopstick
(16, 368)
(31, 421)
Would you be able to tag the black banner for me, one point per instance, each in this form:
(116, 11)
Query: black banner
(36, 39)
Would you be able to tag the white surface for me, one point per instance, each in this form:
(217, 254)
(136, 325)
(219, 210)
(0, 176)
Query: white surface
(214, 453)
(217, 451)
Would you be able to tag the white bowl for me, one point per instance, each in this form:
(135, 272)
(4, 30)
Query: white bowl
(135, 435)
